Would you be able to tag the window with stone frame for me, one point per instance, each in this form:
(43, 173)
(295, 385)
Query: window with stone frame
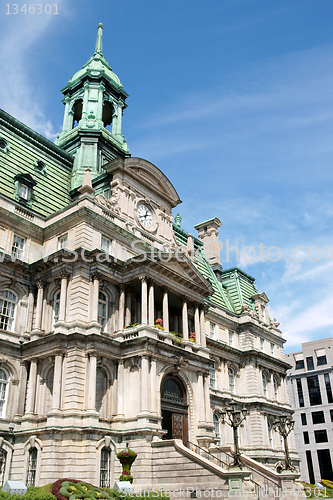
(8, 302)
(231, 338)
(56, 307)
(105, 244)
(212, 371)
(32, 467)
(62, 241)
(216, 421)
(24, 188)
(231, 374)
(212, 330)
(276, 388)
(4, 380)
(102, 310)
(3, 455)
(270, 432)
(264, 384)
(105, 468)
(18, 246)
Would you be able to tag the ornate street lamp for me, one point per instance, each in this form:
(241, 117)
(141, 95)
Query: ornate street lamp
(235, 416)
(284, 424)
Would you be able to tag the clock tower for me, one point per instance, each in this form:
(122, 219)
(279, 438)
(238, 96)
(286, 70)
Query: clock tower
(94, 102)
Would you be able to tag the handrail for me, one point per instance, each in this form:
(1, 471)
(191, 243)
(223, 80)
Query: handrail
(207, 453)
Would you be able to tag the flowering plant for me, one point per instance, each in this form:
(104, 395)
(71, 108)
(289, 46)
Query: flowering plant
(126, 458)
(159, 323)
(192, 336)
(131, 325)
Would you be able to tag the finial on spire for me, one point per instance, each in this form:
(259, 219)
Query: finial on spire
(86, 187)
(99, 40)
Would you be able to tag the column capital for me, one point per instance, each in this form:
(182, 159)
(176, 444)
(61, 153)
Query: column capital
(64, 274)
(122, 287)
(151, 282)
(165, 289)
(184, 299)
(143, 279)
(40, 284)
(95, 276)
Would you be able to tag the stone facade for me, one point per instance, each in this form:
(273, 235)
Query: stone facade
(115, 325)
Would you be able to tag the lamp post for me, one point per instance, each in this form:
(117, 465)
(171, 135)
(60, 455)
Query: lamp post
(284, 424)
(235, 416)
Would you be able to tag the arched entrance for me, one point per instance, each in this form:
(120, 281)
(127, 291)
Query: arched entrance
(174, 409)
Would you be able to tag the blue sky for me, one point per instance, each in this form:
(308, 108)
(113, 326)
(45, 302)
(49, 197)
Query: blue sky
(232, 100)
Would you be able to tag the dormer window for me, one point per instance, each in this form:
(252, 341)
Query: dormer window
(4, 145)
(24, 185)
(40, 166)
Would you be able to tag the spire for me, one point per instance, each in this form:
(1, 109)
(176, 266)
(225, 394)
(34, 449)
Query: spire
(99, 40)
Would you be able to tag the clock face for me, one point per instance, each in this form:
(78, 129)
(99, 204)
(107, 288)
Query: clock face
(145, 216)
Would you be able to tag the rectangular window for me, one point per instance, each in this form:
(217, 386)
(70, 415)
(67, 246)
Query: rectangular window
(231, 339)
(306, 437)
(262, 343)
(212, 330)
(62, 242)
(331, 414)
(314, 390)
(105, 244)
(300, 392)
(328, 388)
(303, 418)
(299, 364)
(321, 357)
(318, 417)
(18, 246)
(24, 190)
(310, 467)
(321, 436)
(309, 363)
(325, 464)
(272, 349)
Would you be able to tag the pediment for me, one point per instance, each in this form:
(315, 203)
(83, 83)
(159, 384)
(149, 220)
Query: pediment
(261, 296)
(147, 174)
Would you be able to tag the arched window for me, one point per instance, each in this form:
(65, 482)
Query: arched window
(102, 310)
(48, 390)
(32, 467)
(77, 112)
(4, 145)
(8, 301)
(105, 468)
(276, 388)
(264, 384)
(107, 113)
(270, 433)
(231, 373)
(101, 392)
(216, 421)
(2, 465)
(3, 392)
(56, 307)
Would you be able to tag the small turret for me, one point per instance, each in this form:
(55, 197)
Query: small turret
(208, 233)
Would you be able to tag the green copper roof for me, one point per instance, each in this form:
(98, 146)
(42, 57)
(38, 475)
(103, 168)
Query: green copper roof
(236, 287)
(51, 184)
(97, 64)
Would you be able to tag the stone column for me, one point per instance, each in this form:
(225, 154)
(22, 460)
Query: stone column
(121, 310)
(30, 309)
(121, 373)
(185, 319)
(144, 319)
(128, 317)
(197, 324)
(119, 118)
(85, 100)
(202, 328)
(94, 302)
(101, 89)
(153, 386)
(207, 399)
(39, 306)
(165, 309)
(22, 389)
(200, 394)
(92, 371)
(63, 296)
(151, 304)
(57, 382)
(32, 387)
(144, 384)
(65, 121)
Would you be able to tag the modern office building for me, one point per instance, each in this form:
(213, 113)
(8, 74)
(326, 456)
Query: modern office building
(310, 388)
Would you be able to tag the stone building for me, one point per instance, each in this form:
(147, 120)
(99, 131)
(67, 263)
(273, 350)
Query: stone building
(310, 387)
(116, 325)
